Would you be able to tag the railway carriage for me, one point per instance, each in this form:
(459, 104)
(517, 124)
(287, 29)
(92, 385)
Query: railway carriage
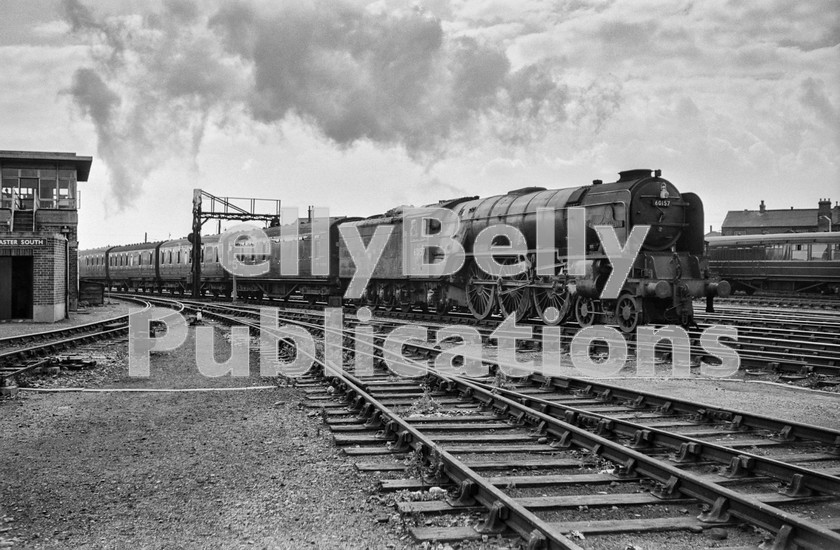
(790, 262)
(306, 282)
(130, 267)
(174, 266)
(93, 264)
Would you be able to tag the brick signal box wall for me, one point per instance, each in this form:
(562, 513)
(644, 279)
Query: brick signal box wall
(49, 283)
(38, 227)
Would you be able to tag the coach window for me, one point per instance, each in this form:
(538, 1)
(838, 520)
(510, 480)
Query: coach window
(799, 252)
(819, 251)
(776, 252)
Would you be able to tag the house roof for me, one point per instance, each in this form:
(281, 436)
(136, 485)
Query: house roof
(802, 217)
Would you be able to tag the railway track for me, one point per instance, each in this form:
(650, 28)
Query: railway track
(784, 300)
(772, 344)
(508, 432)
(26, 353)
(561, 462)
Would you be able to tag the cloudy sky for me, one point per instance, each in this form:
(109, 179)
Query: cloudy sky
(361, 106)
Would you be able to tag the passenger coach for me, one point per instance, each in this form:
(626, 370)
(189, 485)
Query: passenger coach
(793, 262)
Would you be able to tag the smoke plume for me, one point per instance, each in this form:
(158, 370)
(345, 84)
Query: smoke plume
(351, 71)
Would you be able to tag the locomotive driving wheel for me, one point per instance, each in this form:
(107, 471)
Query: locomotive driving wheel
(514, 296)
(627, 312)
(586, 311)
(481, 292)
(439, 301)
(403, 297)
(387, 298)
(556, 296)
(371, 297)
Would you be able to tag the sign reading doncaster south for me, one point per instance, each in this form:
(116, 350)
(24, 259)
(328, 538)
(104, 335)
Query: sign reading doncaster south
(23, 242)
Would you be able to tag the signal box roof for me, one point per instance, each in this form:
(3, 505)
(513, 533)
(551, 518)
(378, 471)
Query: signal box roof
(82, 164)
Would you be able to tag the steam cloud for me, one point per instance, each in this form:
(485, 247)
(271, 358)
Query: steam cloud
(350, 71)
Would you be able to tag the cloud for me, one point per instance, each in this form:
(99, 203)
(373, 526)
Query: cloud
(51, 29)
(815, 99)
(353, 72)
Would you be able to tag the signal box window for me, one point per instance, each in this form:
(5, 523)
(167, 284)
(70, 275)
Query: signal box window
(46, 192)
(66, 193)
(6, 190)
(26, 192)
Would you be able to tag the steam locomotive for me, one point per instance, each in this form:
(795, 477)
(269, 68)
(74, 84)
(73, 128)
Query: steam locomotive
(669, 272)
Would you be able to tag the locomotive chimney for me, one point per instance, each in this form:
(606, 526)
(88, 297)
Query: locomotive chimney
(761, 207)
(597, 182)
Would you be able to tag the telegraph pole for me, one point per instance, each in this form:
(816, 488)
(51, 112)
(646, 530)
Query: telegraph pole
(196, 244)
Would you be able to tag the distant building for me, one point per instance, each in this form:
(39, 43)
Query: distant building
(712, 233)
(38, 243)
(800, 220)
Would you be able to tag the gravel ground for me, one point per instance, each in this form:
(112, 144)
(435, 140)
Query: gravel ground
(232, 469)
(81, 317)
